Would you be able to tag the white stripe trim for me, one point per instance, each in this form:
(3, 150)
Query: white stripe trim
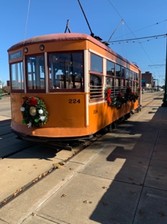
(86, 84)
(46, 72)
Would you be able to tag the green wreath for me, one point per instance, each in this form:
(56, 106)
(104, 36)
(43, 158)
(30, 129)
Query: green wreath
(34, 112)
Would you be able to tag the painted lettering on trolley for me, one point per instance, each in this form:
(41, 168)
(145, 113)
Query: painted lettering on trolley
(74, 101)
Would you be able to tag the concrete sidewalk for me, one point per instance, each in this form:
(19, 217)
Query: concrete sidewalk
(121, 179)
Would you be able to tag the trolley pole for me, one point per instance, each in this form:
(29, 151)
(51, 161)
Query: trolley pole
(164, 104)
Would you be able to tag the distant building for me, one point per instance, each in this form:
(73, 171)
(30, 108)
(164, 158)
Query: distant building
(8, 83)
(147, 80)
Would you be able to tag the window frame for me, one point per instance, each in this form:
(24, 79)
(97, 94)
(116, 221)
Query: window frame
(96, 90)
(14, 90)
(64, 80)
(39, 90)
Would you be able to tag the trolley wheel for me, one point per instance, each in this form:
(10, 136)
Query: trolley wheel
(109, 128)
(114, 125)
(127, 116)
(138, 109)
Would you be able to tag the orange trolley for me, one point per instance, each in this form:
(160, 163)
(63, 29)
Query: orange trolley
(69, 85)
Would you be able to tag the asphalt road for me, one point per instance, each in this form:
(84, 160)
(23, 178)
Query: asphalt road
(5, 111)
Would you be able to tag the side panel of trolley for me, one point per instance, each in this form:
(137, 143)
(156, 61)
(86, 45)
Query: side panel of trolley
(66, 115)
(101, 115)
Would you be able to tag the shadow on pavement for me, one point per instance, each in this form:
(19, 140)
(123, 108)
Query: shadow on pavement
(138, 190)
(15, 148)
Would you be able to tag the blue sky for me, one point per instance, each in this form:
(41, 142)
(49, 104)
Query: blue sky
(22, 19)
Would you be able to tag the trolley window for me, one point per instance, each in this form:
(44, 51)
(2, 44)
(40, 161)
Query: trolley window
(110, 73)
(96, 69)
(110, 81)
(96, 63)
(123, 72)
(136, 76)
(95, 86)
(66, 71)
(35, 73)
(127, 74)
(118, 70)
(16, 74)
(110, 68)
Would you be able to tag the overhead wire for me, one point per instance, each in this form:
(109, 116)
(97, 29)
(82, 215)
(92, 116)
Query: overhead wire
(139, 38)
(148, 26)
(132, 32)
(120, 23)
(27, 18)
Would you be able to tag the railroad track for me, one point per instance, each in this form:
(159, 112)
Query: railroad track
(23, 164)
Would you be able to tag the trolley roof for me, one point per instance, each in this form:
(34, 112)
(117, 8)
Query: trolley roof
(65, 37)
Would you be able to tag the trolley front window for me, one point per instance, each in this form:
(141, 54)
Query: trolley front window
(66, 70)
(16, 73)
(35, 73)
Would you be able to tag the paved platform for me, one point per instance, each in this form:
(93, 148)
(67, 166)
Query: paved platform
(121, 179)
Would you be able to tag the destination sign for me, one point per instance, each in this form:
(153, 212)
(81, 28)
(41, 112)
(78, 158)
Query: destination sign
(15, 55)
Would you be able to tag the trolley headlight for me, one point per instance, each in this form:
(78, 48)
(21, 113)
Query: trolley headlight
(25, 50)
(42, 47)
(33, 111)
